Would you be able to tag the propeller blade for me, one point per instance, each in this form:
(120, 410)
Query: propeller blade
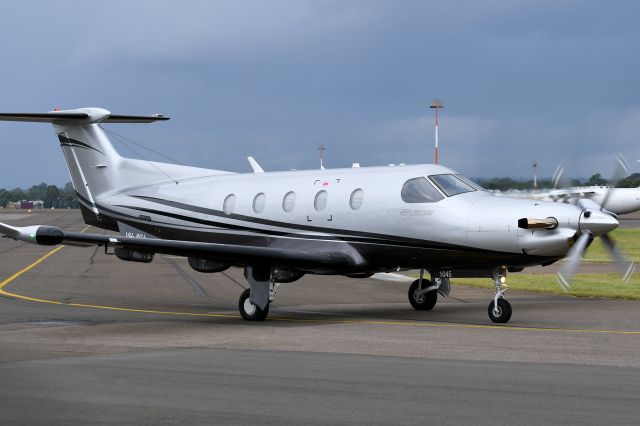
(624, 266)
(568, 270)
(620, 172)
(557, 175)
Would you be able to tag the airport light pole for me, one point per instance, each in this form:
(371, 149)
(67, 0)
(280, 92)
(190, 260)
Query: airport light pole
(321, 148)
(535, 177)
(436, 104)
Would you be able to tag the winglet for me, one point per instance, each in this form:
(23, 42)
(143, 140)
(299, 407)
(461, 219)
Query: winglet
(254, 165)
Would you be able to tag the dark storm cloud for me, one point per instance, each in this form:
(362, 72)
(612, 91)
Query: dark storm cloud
(548, 81)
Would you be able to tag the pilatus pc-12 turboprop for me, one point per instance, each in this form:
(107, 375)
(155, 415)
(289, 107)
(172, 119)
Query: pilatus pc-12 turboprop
(279, 226)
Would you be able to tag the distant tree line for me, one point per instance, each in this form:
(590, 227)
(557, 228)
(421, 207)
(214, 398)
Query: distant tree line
(504, 184)
(51, 195)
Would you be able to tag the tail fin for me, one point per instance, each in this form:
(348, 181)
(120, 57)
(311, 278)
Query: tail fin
(94, 164)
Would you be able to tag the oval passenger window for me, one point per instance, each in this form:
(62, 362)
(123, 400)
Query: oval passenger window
(356, 199)
(289, 201)
(258, 202)
(320, 201)
(229, 204)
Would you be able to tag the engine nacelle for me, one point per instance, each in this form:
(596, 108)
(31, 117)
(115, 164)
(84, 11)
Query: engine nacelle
(286, 275)
(207, 266)
(133, 255)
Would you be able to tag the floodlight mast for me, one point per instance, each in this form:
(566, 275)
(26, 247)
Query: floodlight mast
(436, 104)
(321, 148)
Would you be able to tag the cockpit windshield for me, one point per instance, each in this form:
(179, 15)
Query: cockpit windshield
(472, 183)
(451, 184)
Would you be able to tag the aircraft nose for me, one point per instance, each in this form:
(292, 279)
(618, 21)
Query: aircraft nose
(597, 222)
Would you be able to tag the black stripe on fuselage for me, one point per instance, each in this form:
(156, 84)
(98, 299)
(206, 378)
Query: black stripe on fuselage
(377, 256)
(379, 253)
(342, 234)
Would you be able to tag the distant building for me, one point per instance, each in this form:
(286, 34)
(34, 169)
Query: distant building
(25, 205)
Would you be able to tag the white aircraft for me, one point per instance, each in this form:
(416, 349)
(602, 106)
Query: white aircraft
(279, 226)
(615, 200)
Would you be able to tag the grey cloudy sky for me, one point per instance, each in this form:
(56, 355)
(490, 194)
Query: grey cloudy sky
(552, 81)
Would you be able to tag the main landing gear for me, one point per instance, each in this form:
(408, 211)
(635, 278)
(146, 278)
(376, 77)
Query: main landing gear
(254, 301)
(420, 297)
(499, 309)
(249, 311)
(423, 294)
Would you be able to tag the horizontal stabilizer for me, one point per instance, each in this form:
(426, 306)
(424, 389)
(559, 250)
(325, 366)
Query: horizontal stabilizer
(42, 117)
(81, 116)
(135, 118)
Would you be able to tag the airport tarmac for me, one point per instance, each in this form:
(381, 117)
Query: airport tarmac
(85, 337)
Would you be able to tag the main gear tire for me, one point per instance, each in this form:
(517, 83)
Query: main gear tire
(425, 301)
(249, 311)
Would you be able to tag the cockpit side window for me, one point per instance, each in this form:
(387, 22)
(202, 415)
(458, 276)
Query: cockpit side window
(420, 190)
(451, 184)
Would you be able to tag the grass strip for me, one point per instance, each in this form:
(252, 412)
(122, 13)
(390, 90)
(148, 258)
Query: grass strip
(584, 285)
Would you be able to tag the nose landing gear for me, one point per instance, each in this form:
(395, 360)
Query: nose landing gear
(499, 309)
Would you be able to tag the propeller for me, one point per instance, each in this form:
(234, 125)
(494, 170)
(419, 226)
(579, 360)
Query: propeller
(624, 266)
(557, 175)
(594, 221)
(574, 257)
(620, 172)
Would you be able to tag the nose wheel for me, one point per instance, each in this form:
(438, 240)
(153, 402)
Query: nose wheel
(501, 312)
(499, 309)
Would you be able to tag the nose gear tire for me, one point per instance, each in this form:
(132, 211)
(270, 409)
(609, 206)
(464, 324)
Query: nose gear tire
(503, 313)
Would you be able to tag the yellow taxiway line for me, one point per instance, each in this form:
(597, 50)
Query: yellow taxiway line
(23, 271)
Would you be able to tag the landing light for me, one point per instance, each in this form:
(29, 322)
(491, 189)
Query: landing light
(503, 279)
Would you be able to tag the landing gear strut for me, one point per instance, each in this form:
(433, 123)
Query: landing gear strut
(499, 309)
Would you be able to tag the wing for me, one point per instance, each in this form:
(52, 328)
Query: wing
(235, 254)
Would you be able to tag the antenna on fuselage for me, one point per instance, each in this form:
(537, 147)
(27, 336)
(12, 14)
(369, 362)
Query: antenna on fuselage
(321, 148)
